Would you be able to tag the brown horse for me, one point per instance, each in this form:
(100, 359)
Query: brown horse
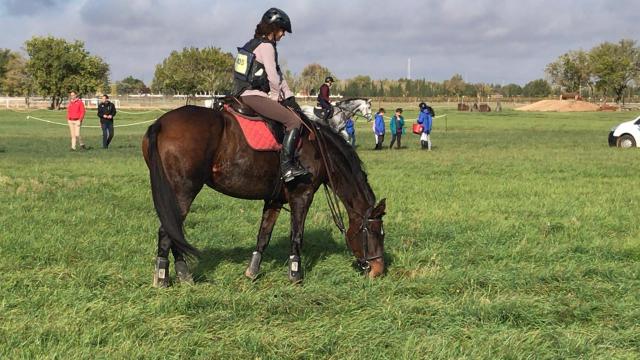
(192, 146)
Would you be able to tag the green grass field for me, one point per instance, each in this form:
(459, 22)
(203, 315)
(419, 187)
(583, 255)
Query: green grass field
(517, 237)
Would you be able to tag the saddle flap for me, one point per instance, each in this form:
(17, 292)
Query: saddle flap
(261, 135)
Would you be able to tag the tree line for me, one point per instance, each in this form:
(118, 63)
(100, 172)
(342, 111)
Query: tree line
(55, 66)
(608, 69)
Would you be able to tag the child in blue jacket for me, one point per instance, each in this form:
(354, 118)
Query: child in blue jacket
(425, 118)
(378, 129)
(349, 127)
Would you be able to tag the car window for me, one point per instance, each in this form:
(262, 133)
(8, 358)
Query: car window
(637, 122)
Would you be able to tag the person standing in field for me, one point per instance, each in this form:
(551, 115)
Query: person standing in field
(351, 131)
(396, 126)
(106, 112)
(75, 117)
(378, 129)
(425, 118)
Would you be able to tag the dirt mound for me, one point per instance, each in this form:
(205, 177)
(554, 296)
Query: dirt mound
(560, 106)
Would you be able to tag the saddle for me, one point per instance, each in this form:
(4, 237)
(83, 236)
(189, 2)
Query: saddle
(319, 112)
(262, 134)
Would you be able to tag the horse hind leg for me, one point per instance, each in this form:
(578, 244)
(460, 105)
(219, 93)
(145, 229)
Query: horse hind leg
(161, 271)
(161, 275)
(270, 213)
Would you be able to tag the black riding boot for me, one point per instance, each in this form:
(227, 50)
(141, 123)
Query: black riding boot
(289, 168)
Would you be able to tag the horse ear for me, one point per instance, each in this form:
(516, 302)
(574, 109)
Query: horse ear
(378, 211)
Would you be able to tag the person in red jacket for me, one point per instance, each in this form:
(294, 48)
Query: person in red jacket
(75, 116)
(323, 98)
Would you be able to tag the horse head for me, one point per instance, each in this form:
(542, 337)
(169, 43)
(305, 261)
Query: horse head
(367, 241)
(351, 107)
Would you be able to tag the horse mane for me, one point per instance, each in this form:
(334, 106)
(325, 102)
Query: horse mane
(351, 99)
(352, 167)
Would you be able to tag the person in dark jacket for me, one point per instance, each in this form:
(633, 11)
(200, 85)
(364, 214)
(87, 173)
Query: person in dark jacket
(106, 112)
(323, 98)
(396, 127)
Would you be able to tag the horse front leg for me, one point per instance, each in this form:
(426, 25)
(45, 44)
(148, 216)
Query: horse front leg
(270, 213)
(299, 208)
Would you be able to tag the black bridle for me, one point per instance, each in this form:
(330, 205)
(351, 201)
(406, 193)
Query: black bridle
(363, 262)
(351, 112)
(336, 215)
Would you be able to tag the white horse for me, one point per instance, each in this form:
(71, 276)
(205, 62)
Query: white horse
(342, 110)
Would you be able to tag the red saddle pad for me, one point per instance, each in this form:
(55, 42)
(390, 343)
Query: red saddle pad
(258, 135)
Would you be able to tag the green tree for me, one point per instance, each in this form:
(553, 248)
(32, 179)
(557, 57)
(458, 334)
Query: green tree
(16, 81)
(194, 70)
(511, 90)
(57, 67)
(131, 85)
(455, 85)
(615, 66)
(571, 71)
(312, 76)
(5, 56)
(360, 85)
(292, 80)
(537, 88)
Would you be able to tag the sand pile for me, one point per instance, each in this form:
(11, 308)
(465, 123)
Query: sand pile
(560, 106)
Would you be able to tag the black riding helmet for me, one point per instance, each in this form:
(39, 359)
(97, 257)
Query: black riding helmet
(423, 106)
(278, 17)
(328, 78)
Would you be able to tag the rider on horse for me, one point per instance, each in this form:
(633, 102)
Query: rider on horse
(323, 98)
(259, 82)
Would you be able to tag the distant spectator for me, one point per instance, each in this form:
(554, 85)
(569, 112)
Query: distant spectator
(351, 131)
(106, 112)
(75, 117)
(425, 118)
(378, 129)
(396, 126)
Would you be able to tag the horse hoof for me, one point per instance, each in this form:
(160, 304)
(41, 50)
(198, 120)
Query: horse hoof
(295, 270)
(183, 275)
(254, 266)
(161, 273)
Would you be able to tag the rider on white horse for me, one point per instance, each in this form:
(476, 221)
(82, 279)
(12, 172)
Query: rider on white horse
(323, 98)
(342, 111)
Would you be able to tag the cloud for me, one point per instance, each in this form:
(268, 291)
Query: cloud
(26, 8)
(486, 40)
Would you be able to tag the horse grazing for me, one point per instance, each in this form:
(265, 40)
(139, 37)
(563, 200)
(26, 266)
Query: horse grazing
(191, 146)
(342, 111)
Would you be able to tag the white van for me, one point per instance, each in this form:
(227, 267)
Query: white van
(626, 135)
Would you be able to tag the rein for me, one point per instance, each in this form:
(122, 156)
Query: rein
(336, 214)
(332, 199)
(334, 203)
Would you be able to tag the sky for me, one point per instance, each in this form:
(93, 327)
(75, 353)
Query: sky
(488, 41)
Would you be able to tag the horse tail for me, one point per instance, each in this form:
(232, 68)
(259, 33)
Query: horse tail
(164, 198)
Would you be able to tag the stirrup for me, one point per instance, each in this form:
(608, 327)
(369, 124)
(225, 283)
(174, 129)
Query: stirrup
(292, 172)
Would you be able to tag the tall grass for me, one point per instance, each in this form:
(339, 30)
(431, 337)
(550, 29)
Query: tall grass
(516, 237)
